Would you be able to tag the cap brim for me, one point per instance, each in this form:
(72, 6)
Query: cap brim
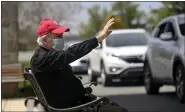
(60, 30)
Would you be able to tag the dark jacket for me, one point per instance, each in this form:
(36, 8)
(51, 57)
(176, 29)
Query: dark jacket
(54, 74)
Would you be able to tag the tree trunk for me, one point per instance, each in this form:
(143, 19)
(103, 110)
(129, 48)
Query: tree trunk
(10, 32)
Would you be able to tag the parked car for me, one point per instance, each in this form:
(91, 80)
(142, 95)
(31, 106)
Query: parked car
(165, 57)
(80, 65)
(119, 56)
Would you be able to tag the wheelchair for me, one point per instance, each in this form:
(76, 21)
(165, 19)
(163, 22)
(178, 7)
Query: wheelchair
(40, 101)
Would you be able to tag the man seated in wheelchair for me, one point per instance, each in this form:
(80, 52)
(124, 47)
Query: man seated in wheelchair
(50, 63)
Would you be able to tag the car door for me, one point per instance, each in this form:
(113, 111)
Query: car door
(168, 50)
(155, 46)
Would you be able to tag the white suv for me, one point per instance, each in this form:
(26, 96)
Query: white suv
(119, 56)
(165, 56)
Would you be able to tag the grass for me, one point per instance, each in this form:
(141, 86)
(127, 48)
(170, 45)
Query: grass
(27, 84)
(26, 64)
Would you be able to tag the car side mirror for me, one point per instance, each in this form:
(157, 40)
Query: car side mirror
(166, 36)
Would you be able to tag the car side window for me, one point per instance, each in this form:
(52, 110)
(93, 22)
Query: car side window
(170, 28)
(161, 29)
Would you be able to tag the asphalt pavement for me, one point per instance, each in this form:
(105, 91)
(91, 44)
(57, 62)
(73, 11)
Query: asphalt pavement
(129, 96)
(134, 98)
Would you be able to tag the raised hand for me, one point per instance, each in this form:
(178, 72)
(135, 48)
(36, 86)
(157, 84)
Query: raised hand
(106, 30)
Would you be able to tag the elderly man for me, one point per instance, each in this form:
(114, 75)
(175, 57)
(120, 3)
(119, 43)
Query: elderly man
(51, 66)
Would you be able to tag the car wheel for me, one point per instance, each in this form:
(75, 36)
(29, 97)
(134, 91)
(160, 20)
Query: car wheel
(180, 82)
(106, 81)
(92, 76)
(150, 86)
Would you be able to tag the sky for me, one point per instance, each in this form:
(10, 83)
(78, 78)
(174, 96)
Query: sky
(83, 15)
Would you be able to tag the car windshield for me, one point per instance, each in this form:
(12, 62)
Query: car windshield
(182, 25)
(126, 39)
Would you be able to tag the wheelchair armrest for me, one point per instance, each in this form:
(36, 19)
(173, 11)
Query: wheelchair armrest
(31, 98)
(27, 70)
(76, 108)
(36, 101)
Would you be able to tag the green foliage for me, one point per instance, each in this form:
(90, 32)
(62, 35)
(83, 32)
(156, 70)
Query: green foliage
(25, 64)
(118, 24)
(27, 84)
(175, 7)
(129, 13)
(167, 9)
(126, 15)
(96, 17)
(21, 85)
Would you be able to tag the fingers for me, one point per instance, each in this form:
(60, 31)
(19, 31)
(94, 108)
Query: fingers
(110, 24)
(111, 20)
(106, 31)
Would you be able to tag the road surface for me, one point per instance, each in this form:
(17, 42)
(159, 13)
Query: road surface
(134, 98)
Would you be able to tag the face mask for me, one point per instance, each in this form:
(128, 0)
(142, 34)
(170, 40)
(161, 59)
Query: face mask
(58, 44)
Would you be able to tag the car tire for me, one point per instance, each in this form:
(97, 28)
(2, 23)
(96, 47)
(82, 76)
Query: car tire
(92, 75)
(150, 86)
(180, 82)
(106, 81)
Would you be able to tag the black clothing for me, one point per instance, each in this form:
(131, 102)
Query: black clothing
(54, 74)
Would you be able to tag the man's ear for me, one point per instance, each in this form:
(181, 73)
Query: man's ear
(50, 35)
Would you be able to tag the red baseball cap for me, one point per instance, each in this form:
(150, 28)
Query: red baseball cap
(50, 26)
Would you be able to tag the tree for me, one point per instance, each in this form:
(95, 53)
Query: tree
(31, 13)
(129, 13)
(118, 24)
(167, 9)
(10, 32)
(96, 18)
(175, 7)
(34, 12)
(126, 15)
